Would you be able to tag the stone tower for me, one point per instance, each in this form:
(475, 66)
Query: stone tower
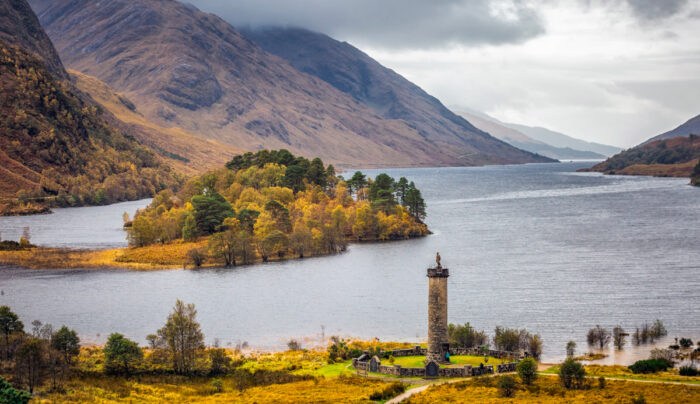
(438, 343)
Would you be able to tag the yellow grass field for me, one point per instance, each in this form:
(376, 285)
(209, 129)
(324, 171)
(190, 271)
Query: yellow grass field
(548, 390)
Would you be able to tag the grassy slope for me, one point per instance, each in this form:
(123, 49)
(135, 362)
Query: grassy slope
(419, 361)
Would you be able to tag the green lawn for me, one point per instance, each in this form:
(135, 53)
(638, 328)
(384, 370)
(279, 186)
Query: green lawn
(335, 370)
(461, 360)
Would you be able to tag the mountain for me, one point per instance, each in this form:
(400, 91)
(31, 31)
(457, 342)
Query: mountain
(522, 141)
(56, 148)
(557, 139)
(674, 157)
(692, 126)
(182, 150)
(184, 68)
(19, 26)
(390, 95)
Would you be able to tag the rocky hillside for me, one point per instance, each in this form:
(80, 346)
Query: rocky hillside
(19, 26)
(56, 149)
(185, 68)
(675, 157)
(692, 126)
(182, 150)
(389, 94)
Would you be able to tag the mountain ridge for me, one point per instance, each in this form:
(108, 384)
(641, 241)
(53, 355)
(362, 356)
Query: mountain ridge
(189, 69)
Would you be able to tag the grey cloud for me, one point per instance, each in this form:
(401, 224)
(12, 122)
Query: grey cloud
(649, 10)
(395, 24)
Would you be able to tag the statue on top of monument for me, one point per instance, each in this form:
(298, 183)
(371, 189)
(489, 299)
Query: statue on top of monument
(437, 259)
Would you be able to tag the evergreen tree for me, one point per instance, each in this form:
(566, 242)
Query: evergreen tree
(9, 324)
(210, 210)
(121, 354)
(414, 202)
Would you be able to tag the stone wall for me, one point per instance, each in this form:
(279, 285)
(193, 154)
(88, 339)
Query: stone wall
(463, 371)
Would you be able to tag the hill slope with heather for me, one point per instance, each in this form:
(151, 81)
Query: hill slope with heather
(675, 157)
(185, 68)
(54, 147)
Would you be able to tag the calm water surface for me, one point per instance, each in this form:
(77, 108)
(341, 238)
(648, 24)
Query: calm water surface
(536, 246)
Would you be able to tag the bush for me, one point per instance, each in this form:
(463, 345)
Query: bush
(572, 374)
(390, 391)
(599, 336)
(650, 366)
(217, 385)
(639, 399)
(527, 370)
(685, 342)
(9, 394)
(196, 257)
(688, 371)
(601, 382)
(294, 345)
(506, 385)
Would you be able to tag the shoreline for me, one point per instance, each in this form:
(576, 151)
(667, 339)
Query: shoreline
(139, 258)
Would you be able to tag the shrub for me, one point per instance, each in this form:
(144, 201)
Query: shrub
(390, 391)
(10, 395)
(685, 342)
(639, 399)
(217, 385)
(688, 371)
(294, 345)
(465, 336)
(572, 374)
(650, 366)
(527, 370)
(506, 385)
(196, 257)
(601, 382)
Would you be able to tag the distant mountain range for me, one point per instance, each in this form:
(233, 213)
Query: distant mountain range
(557, 139)
(675, 153)
(519, 139)
(184, 68)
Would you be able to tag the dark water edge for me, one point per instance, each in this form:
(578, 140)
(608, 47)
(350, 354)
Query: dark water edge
(536, 246)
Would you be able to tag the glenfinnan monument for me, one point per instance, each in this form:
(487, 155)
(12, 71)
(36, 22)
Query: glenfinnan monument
(438, 342)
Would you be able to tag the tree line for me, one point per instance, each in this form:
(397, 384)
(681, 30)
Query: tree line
(274, 204)
(504, 339)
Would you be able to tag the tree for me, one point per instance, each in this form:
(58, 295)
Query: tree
(527, 370)
(121, 354)
(301, 240)
(357, 182)
(9, 324)
(183, 336)
(508, 339)
(248, 218)
(30, 364)
(189, 229)
(316, 174)
(280, 215)
(142, 232)
(294, 178)
(619, 336)
(465, 336)
(10, 395)
(66, 342)
(414, 202)
(223, 244)
(210, 210)
(572, 374)
(401, 190)
(534, 345)
(598, 335)
(657, 330)
(570, 349)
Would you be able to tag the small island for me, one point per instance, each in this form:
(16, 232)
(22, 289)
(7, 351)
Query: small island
(264, 206)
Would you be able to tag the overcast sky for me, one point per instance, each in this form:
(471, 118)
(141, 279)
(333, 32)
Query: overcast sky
(611, 71)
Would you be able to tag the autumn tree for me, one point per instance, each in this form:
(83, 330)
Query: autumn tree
(30, 362)
(223, 244)
(183, 336)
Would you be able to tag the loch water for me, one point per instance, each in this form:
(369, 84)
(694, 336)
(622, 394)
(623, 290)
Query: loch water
(536, 246)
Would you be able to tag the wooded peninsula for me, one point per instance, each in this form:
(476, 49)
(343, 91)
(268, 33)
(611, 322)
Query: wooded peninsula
(263, 206)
